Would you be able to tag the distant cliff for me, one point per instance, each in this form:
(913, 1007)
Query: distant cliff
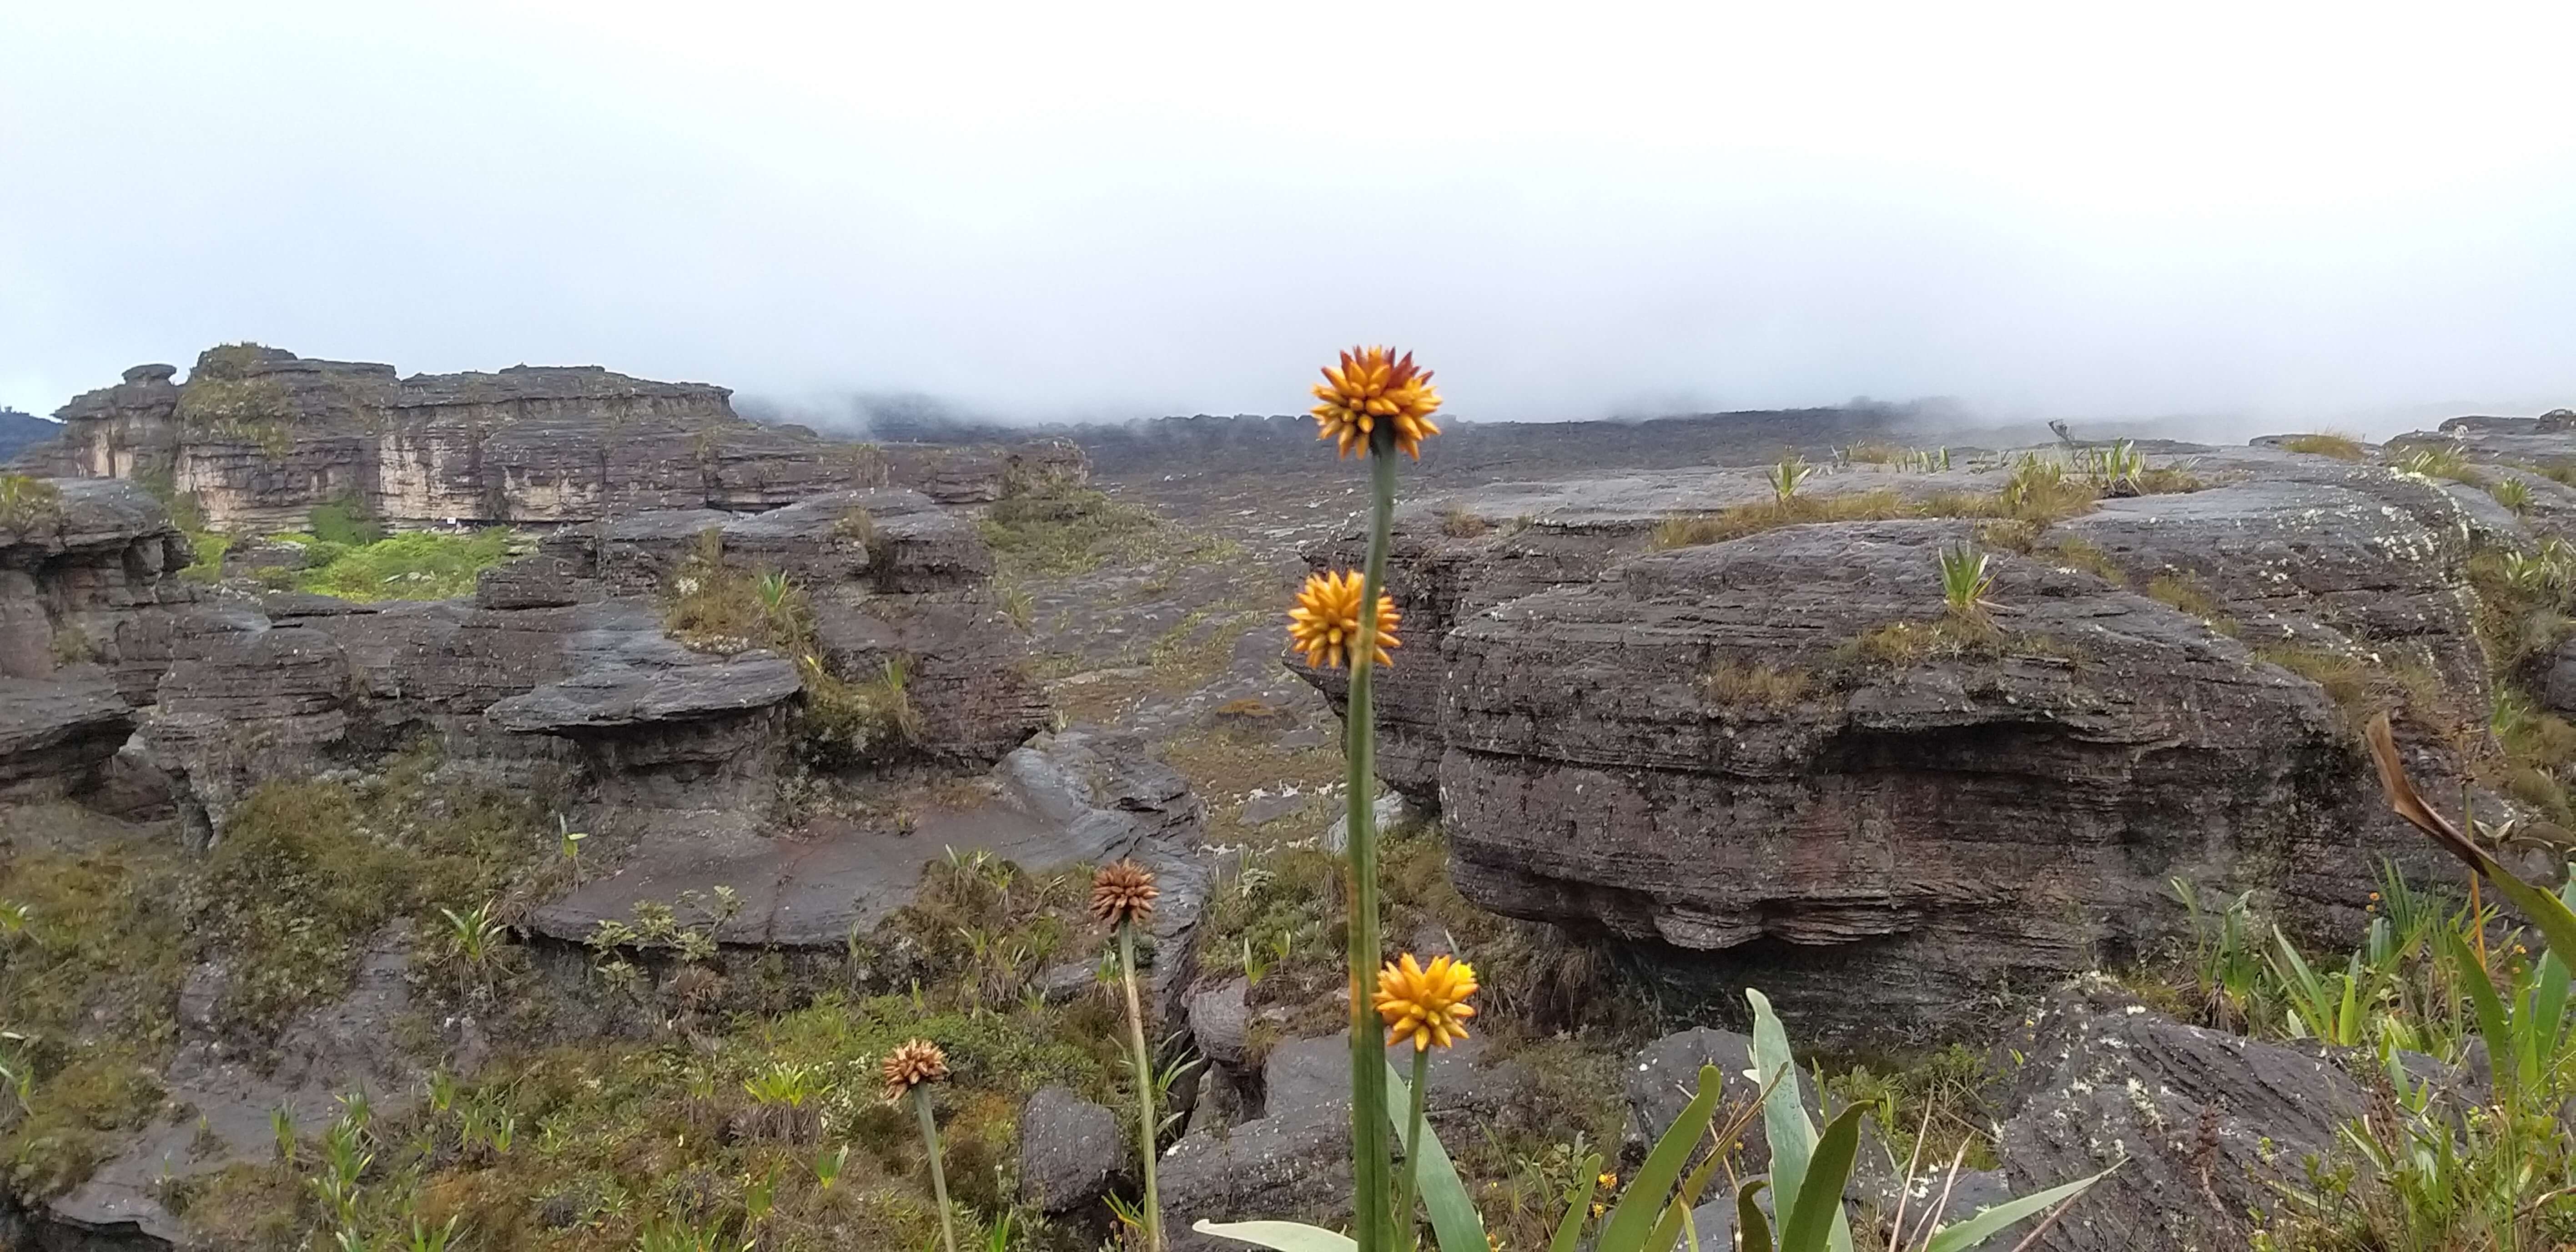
(258, 436)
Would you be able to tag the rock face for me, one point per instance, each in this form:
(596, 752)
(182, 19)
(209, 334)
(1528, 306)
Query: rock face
(1913, 832)
(258, 436)
(2205, 1122)
(86, 627)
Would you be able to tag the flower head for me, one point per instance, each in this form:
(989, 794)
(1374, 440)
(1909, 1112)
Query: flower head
(918, 1061)
(1123, 892)
(1429, 1005)
(1372, 386)
(1325, 624)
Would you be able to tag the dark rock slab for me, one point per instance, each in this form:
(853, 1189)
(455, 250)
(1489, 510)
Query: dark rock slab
(55, 735)
(1069, 1150)
(612, 699)
(2207, 1124)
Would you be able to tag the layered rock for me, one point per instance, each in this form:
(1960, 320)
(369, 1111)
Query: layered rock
(258, 436)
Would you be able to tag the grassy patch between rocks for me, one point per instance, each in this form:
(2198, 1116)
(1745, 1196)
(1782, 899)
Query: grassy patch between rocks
(421, 565)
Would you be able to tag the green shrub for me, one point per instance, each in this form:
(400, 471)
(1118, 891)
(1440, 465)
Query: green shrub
(28, 503)
(421, 565)
(346, 522)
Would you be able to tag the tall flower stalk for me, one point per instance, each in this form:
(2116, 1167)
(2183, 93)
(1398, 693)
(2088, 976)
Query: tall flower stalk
(1426, 1007)
(1123, 895)
(909, 1071)
(1379, 405)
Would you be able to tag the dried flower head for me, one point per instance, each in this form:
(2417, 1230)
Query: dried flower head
(1426, 1005)
(918, 1061)
(1372, 386)
(1123, 892)
(1325, 624)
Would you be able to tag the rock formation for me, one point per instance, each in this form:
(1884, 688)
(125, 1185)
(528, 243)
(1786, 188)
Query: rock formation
(1930, 827)
(258, 436)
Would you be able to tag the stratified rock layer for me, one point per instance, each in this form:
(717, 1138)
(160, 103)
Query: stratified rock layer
(258, 436)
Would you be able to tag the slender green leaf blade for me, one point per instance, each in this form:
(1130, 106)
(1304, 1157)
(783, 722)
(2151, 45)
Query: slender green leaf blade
(1633, 1217)
(1279, 1236)
(1811, 1220)
(1578, 1202)
(1989, 1222)
(1676, 1220)
(2492, 1022)
(1751, 1227)
(1454, 1220)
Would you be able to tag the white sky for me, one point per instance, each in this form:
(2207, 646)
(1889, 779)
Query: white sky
(1069, 210)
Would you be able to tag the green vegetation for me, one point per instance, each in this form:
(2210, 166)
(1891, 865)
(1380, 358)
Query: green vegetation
(90, 965)
(1052, 524)
(28, 503)
(1966, 583)
(1786, 478)
(419, 565)
(2513, 493)
(2341, 447)
(306, 873)
(209, 547)
(717, 606)
(346, 521)
(2444, 461)
(2431, 976)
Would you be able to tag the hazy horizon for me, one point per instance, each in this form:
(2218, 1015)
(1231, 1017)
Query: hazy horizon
(2292, 217)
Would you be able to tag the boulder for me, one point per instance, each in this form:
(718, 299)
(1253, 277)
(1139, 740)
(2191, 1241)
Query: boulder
(1069, 1150)
(1665, 1077)
(678, 736)
(1904, 837)
(2204, 1126)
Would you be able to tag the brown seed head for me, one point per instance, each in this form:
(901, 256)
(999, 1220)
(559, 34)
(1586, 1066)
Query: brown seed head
(918, 1061)
(1123, 892)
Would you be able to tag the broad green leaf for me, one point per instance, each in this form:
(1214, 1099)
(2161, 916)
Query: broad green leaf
(2556, 921)
(1784, 1120)
(1454, 1220)
(1810, 1226)
(1991, 1221)
(1279, 1236)
(1578, 1202)
(1751, 1227)
(1633, 1217)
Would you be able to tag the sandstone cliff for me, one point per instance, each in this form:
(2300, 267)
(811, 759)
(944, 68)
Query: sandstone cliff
(258, 436)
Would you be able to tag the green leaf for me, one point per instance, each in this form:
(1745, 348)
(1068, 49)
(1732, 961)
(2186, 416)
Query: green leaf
(1578, 1202)
(2492, 1022)
(1820, 1197)
(1784, 1120)
(2556, 921)
(1751, 1227)
(1991, 1221)
(1454, 1220)
(1280, 1236)
(1677, 1217)
(1634, 1216)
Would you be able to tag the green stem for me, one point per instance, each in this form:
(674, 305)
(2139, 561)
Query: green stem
(1370, 1164)
(1145, 1126)
(938, 1173)
(1404, 1177)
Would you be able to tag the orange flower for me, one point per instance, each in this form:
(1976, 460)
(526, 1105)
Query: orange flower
(1325, 624)
(1428, 1006)
(1371, 386)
